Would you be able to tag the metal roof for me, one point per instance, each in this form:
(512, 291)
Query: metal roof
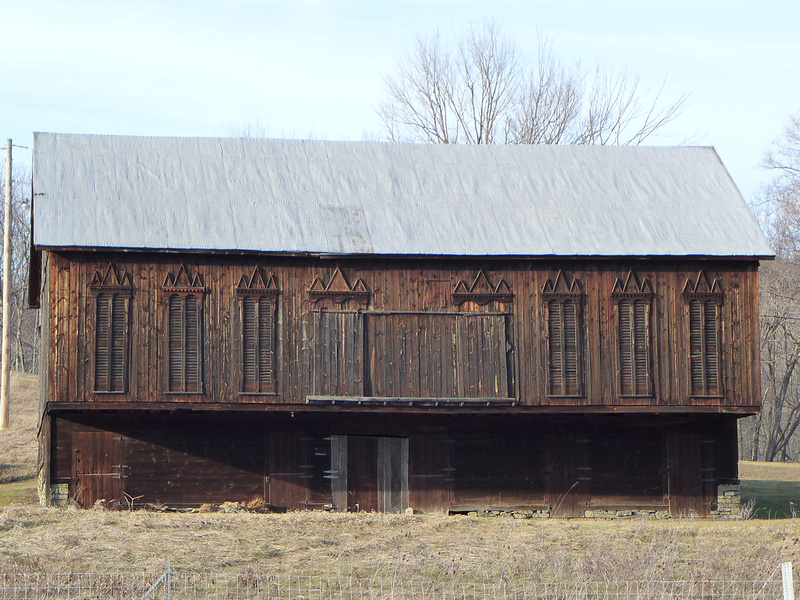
(291, 196)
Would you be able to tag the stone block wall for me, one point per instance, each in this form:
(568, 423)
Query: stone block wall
(729, 502)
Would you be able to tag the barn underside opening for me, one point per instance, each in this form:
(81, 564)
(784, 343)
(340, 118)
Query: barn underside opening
(534, 465)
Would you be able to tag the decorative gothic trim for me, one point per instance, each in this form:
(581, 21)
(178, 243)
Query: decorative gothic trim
(481, 291)
(110, 281)
(631, 288)
(703, 289)
(180, 282)
(257, 284)
(560, 290)
(339, 289)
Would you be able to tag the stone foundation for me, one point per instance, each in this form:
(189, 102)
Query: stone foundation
(636, 513)
(729, 502)
(59, 494)
(514, 514)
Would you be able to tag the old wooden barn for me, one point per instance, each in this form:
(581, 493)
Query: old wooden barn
(362, 326)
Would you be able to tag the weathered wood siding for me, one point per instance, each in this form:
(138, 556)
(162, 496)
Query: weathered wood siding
(554, 464)
(395, 328)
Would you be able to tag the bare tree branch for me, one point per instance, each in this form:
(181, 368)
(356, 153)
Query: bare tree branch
(477, 91)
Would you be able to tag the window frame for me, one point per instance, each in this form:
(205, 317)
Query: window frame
(630, 294)
(180, 288)
(109, 285)
(705, 354)
(258, 383)
(705, 294)
(111, 293)
(560, 294)
(260, 289)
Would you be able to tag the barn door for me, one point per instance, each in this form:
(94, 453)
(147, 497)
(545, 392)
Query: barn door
(392, 474)
(567, 475)
(431, 474)
(691, 474)
(287, 484)
(97, 468)
(370, 473)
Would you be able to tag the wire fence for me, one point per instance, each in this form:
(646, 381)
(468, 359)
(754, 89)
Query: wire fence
(171, 585)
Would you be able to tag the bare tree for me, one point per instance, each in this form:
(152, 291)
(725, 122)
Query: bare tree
(480, 90)
(771, 435)
(780, 200)
(23, 333)
(547, 108)
(248, 129)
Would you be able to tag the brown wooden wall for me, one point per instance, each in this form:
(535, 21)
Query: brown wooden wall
(398, 328)
(561, 465)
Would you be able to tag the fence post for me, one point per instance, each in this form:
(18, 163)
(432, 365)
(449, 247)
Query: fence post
(788, 582)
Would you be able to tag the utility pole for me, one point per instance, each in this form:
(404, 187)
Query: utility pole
(6, 294)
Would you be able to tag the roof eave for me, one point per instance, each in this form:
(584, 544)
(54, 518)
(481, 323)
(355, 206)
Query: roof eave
(357, 255)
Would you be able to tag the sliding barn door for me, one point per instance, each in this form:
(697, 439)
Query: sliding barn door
(97, 468)
(691, 474)
(567, 475)
(369, 473)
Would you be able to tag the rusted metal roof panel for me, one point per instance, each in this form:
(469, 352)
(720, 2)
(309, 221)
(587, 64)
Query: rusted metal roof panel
(290, 196)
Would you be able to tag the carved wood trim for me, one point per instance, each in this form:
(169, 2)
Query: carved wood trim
(632, 289)
(109, 280)
(182, 283)
(702, 288)
(339, 289)
(257, 285)
(560, 289)
(481, 291)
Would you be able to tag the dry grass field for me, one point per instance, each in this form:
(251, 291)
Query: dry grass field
(431, 547)
(18, 447)
(387, 546)
(768, 471)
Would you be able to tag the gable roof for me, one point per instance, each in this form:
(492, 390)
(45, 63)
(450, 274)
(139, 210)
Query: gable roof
(310, 197)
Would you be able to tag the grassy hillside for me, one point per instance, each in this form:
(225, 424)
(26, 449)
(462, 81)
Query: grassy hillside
(769, 471)
(770, 490)
(18, 446)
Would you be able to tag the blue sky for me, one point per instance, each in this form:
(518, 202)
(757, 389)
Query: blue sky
(306, 68)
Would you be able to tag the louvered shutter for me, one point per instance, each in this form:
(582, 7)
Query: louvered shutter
(556, 345)
(118, 343)
(249, 345)
(564, 351)
(176, 343)
(102, 343)
(193, 355)
(626, 387)
(711, 355)
(641, 348)
(696, 359)
(571, 351)
(266, 341)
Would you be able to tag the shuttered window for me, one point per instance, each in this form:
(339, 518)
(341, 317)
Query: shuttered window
(564, 348)
(111, 342)
(185, 338)
(704, 347)
(633, 348)
(258, 344)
